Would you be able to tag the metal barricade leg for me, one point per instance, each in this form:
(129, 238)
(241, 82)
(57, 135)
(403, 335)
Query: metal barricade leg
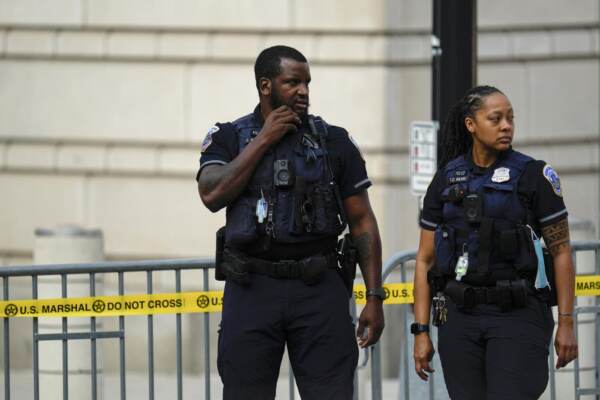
(178, 339)
(36, 344)
(150, 342)
(65, 343)
(206, 344)
(6, 346)
(93, 342)
(122, 340)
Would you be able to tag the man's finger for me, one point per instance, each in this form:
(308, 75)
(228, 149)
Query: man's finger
(360, 330)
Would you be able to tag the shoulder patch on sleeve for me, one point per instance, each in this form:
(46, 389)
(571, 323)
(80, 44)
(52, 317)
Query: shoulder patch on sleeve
(208, 139)
(552, 177)
(356, 145)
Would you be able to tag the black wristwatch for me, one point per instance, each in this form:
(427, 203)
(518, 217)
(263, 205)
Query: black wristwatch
(416, 328)
(377, 292)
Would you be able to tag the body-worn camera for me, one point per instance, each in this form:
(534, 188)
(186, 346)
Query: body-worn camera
(473, 207)
(283, 174)
(456, 193)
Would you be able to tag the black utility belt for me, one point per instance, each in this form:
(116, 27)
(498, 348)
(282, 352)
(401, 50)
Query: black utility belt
(507, 295)
(237, 266)
(291, 269)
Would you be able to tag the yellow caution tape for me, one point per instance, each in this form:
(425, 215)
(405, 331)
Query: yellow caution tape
(196, 302)
(587, 285)
(395, 293)
(110, 306)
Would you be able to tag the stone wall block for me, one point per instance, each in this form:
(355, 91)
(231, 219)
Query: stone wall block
(342, 48)
(410, 48)
(236, 46)
(179, 160)
(353, 15)
(32, 200)
(31, 156)
(181, 45)
(245, 14)
(531, 43)
(41, 12)
(132, 159)
(573, 42)
(492, 13)
(132, 45)
(76, 157)
(493, 45)
(30, 42)
(77, 43)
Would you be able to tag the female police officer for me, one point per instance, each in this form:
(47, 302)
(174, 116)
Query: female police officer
(482, 216)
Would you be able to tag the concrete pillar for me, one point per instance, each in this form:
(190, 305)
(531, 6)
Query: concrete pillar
(68, 244)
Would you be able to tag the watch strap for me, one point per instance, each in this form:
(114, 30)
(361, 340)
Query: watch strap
(377, 292)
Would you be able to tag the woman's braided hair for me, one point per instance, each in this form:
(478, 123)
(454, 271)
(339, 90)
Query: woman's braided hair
(456, 138)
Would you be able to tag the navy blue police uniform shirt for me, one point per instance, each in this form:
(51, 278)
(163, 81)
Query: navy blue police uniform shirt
(539, 186)
(221, 146)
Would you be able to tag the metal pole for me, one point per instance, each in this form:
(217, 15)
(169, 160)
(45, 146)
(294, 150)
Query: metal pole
(65, 343)
(405, 338)
(122, 340)
(93, 342)
(454, 55)
(376, 392)
(354, 319)
(597, 325)
(6, 346)
(178, 334)
(150, 342)
(206, 343)
(36, 344)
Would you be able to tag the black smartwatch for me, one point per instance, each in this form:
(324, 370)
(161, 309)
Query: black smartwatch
(416, 328)
(378, 292)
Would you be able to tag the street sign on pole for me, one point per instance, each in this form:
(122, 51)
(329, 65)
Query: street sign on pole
(423, 155)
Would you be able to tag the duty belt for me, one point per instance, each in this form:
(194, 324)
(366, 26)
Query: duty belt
(236, 266)
(290, 269)
(506, 294)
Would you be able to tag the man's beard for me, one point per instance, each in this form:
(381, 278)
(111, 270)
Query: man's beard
(276, 102)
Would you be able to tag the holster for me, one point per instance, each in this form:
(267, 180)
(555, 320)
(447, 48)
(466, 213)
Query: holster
(235, 268)
(348, 259)
(220, 246)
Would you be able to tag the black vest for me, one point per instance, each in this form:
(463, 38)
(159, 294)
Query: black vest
(303, 208)
(484, 217)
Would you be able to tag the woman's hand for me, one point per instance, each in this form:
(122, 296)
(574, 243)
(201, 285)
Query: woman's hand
(423, 354)
(565, 343)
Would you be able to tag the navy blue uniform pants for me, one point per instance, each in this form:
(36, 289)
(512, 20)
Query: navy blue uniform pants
(488, 354)
(315, 323)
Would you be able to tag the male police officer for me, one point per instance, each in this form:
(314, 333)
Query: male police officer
(289, 182)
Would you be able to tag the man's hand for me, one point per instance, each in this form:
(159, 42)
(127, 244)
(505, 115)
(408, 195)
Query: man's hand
(371, 317)
(564, 342)
(423, 354)
(279, 122)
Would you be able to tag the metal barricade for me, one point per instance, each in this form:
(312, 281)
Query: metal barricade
(372, 355)
(400, 260)
(92, 270)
